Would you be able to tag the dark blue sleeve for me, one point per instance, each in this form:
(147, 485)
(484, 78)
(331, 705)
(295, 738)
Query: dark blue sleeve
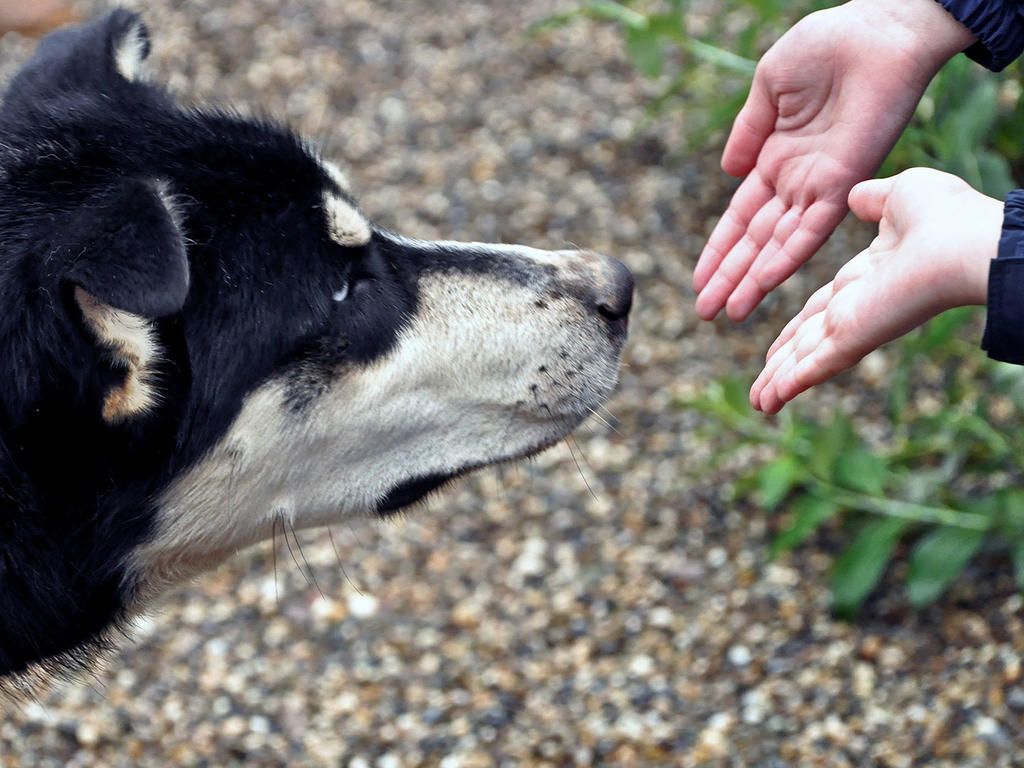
(1004, 330)
(998, 25)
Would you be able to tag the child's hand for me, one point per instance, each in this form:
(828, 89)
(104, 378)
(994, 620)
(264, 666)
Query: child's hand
(936, 239)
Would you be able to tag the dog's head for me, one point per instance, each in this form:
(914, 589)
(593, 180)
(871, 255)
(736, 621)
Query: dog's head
(204, 337)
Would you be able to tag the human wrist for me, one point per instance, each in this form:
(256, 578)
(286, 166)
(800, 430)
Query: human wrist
(931, 33)
(976, 259)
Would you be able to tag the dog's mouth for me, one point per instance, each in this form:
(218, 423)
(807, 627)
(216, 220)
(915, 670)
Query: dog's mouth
(411, 492)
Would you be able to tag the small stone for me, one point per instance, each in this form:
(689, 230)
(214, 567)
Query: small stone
(717, 557)
(362, 605)
(739, 656)
(987, 727)
(87, 734)
(1015, 699)
(641, 666)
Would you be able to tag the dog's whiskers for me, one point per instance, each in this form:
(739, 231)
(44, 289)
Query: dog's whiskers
(568, 444)
(330, 535)
(606, 412)
(603, 420)
(355, 535)
(273, 549)
(307, 571)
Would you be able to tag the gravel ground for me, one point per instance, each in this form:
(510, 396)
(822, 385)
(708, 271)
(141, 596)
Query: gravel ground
(522, 619)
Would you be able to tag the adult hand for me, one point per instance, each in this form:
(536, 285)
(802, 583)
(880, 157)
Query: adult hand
(827, 104)
(937, 238)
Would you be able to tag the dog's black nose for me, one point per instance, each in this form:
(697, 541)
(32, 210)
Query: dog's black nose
(615, 297)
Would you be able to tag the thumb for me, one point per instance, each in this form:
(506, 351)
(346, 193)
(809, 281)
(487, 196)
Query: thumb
(753, 125)
(867, 199)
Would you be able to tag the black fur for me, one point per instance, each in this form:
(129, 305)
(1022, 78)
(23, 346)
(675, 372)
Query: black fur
(84, 154)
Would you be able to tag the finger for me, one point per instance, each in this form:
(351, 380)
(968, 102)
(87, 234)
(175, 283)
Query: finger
(769, 401)
(867, 199)
(736, 264)
(752, 127)
(822, 364)
(817, 303)
(748, 294)
(851, 272)
(750, 198)
(744, 299)
(721, 285)
(816, 225)
(771, 368)
(809, 339)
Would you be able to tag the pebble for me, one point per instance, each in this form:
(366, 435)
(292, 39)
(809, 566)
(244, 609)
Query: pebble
(516, 620)
(362, 606)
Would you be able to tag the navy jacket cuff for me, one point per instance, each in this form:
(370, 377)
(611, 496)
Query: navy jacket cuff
(998, 25)
(1004, 329)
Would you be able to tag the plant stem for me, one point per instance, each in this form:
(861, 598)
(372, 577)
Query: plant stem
(905, 510)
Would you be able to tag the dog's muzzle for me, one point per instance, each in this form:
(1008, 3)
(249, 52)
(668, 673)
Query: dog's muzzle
(614, 297)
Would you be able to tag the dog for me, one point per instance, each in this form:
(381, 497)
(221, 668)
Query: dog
(204, 337)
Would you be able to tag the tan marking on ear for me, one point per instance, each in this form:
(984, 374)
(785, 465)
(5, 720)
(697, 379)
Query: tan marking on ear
(131, 341)
(347, 225)
(130, 52)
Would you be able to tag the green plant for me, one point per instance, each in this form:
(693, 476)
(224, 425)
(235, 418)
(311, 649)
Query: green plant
(964, 125)
(945, 476)
(968, 122)
(709, 72)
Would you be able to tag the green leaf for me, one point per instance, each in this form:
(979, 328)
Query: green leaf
(899, 391)
(612, 11)
(645, 50)
(668, 25)
(830, 444)
(1009, 512)
(721, 57)
(937, 559)
(735, 393)
(776, 479)
(1018, 564)
(996, 175)
(555, 21)
(859, 469)
(859, 568)
(808, 514)
(978, 427)
(943, 329)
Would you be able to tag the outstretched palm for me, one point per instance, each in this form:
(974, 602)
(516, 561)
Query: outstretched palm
(937, 238)
(828, 102)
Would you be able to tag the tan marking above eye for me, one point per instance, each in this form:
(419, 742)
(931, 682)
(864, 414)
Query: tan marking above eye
(346, 225)
(131, 342)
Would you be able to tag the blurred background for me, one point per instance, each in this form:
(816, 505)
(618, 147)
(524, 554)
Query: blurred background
(685, 583)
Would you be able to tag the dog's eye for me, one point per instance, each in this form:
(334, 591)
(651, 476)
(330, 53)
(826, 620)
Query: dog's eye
(341, 294)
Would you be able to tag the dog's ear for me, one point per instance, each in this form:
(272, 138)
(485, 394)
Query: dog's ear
(123, 252)
(96, 56)
(125, 247)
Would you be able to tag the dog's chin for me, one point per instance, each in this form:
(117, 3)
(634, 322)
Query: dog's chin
(413, 491)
